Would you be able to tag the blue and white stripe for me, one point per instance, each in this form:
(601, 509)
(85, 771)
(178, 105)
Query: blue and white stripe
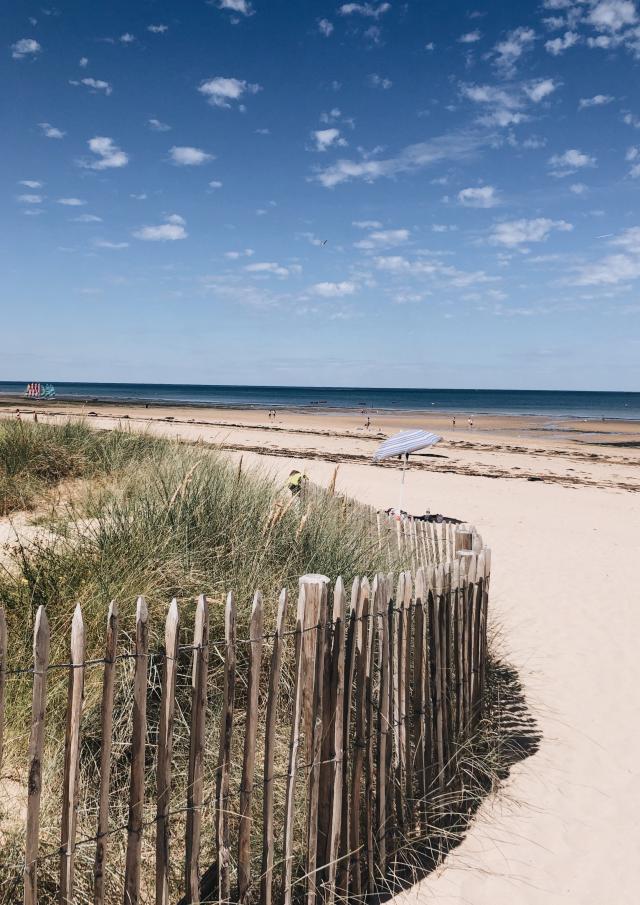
(405, 442)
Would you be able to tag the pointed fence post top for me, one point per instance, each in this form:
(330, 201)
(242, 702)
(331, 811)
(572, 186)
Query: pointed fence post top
(77, 636)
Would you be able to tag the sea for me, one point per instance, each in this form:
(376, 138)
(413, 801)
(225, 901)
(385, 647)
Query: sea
(549, 403)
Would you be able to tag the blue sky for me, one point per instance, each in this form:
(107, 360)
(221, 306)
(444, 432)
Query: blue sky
(172, 170)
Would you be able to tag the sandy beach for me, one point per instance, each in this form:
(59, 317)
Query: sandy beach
(558, 505)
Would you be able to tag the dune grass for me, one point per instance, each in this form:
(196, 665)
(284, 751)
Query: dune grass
(169, 521)
(35, 457)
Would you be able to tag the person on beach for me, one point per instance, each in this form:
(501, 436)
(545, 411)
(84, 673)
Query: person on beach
(295, 481)
(470, 422)
(453, 420)
(368, 423)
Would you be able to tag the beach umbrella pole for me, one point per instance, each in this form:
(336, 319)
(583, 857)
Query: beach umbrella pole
(405, 459)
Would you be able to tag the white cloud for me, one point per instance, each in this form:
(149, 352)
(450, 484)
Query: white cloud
(369, 10)
(157, 29)
(50, 131)
(612, 15)
(367, 224)
(271, 267)
(30, 199)
(509, 51)
(109, 155)
(471, 37)
(630, 119)
(483, 196)
(327, 138)
(25, 47)
(83, 62)
(237, 6)
(172, 229)
(104, 243)
(127, 38)
(519, 232)
(598, 100)
(621, 267)
(157, 126)
(220, 90)
(539, 89)
(328, 290)
(400, 266)
(31, 183)
(94, 85)
(234, 255)
(87, 218)
(579, 188)
(452, 146)
(378, 81)
(383, 238)
(325, 27)
(71, 202)
(556, 46)
(215, 184)
(569, 162)
(189, 157)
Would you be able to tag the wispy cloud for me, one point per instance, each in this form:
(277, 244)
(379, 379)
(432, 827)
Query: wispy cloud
(127, 38)
(243, 7)
(598, 100)
(171, 230)
(623, 266)
(105, 243)
(157, 125)
(222, 91)
(109, 155)
(158, 29)
(50, 131)
(270, 267)
(94, 85)
(325, 27)
(87, 218)
(383, 238)
(379, 81)
(328, 138)
(189, 157)
(234, 255)
(31, 183)
(569, 162)
(30, 199)
(25, 47)
(482, 196)
(328, 290)
(83, 62)
(71, 202)
(513, 233)
(368, 10)
(507, 52)
(471, 37)
(557, 46)
(449, 147)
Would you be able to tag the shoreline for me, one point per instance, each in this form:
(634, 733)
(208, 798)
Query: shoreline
(553, 419)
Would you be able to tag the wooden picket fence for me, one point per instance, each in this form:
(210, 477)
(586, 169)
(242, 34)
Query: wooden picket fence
(387, 690)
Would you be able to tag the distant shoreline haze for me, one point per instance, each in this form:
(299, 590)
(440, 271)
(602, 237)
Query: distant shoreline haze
(551, 403)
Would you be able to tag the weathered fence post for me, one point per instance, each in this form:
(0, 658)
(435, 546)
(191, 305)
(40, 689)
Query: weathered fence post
(195, 775)
(36, 747)
(317, 595)
(135, 825)
(165, 750)
(249, 756)
(72, 758)
(269, 753)
(106, 725)
(224, 756)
